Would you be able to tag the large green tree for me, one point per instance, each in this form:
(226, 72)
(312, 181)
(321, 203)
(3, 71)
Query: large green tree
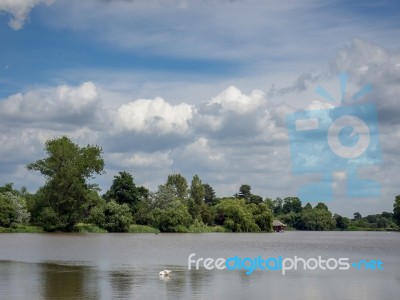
(197, 193)
(13, 210)
(66, 193)
(396, 209)
(209, 194)
(124, 190)
(244, 192)
(291, 204)
(179, 184)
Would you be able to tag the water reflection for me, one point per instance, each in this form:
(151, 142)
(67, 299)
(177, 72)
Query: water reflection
(133, 271)
(64, 282)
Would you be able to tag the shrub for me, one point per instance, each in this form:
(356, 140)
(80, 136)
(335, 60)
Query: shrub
(112, 217)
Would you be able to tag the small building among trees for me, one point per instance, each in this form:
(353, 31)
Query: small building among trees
(278, 226)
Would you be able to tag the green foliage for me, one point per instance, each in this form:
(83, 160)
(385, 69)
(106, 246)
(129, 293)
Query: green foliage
(179, 185)
(123, 190)
(396, 209)
(277, 206)
(236, 216)
(318, 219)
(112, 217)
(13, 210)
(21, 229)
(64, 197)
(197, 193)
(291, 204)
(136, 228)
(88, 228)
(209, 194)
(244, 192)
(357, 216)
(172, 219)
(342, 223)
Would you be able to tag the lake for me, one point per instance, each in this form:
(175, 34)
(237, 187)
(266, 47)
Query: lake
(126, 266)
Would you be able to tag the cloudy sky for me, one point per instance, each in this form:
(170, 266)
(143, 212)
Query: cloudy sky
(196, 87)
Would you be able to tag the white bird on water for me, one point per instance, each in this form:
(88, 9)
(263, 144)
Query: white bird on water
(165, 273)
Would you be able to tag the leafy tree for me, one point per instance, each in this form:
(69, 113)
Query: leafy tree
(13, 210)
(342, 223)
(245, 192)
(124, 190)
(321, 205)
(291, 204)
(269, 203)
(66, 191)
(168, 212)
(357, 216)
(255, 199)
(112, 217)
(8, 187)
(318, 219)
(197, 193)
(236, 216)
(396, 209)
(175, 219)
(197, 190)
(278, 203)
(179, 184)
(262, 216)
(307, 207)
(209, 194)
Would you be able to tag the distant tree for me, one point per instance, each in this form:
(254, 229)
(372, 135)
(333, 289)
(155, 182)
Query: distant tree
(307, 207)
(244, 192)
(342, 223)
(317, 219)
(235, 215)
(357, 216)
(270, 204)
(209, 194)
(278, 203)
(197, 193)
(291, 204)
(112, 217)
(396, 209)
(66, 169)
(256, 199)
(167, 211)
(197, 190)
(321, 205)
(263, 216)
(8, 187)
(13, 210)
(179, 184)
(124, 190)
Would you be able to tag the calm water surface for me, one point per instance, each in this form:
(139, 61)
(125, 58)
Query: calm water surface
(126, 266)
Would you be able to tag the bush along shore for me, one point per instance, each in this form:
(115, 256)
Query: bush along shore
(69, 202)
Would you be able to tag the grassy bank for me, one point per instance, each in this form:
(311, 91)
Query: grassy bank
(21, 229)
(136, 228)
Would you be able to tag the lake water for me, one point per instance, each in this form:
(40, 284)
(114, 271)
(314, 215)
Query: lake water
(126, 266)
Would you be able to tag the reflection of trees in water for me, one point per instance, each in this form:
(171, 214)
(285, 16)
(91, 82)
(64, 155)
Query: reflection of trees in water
(184, 283)
(68, 282)
(122, 283)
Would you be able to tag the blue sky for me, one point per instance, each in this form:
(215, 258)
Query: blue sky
(192, 86)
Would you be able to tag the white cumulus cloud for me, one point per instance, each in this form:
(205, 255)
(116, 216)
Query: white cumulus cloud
(154, 115)
(20, 9)
(64, 103)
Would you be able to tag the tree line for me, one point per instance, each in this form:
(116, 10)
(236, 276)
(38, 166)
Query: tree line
(68, 200)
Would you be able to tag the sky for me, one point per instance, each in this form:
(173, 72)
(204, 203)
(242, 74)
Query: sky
(199, 87)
